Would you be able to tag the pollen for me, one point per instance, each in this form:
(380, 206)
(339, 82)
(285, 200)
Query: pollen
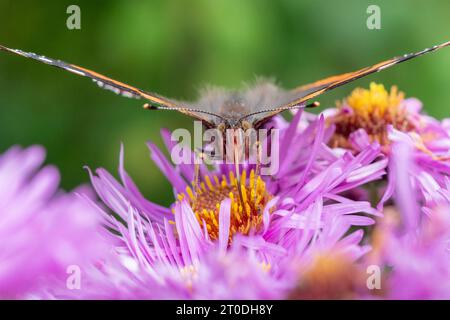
(247, 202)
(372, 109)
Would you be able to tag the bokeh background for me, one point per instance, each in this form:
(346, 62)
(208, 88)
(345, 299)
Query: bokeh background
(176, 47)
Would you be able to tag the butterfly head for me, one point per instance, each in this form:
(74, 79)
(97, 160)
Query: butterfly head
(231, 124)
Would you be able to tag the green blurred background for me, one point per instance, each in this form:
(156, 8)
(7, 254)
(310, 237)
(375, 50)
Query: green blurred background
(176, 47)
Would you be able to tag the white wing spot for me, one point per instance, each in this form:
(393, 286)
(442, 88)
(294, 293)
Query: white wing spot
(111, 88)
(75, 71)
(386, 66)
(99, 83)
(108, 87)
(22, 53)
(45, 59)
(127, 94)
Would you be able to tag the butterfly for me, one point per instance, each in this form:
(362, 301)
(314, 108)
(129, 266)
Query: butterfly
(222, 109)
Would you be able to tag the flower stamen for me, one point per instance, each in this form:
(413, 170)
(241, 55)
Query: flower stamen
(373, 110)
(246, 209)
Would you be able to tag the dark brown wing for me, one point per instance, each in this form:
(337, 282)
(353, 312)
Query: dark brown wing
(156, 101)
(300, 95)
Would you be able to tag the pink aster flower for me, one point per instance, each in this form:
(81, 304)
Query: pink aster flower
(299, 211)
(235, 273)
(429, 172)
(43, 231)
(238, 274)
(387, 117)
(414, 247)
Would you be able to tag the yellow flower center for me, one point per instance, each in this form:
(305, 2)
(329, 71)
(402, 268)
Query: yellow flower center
(372, 109)
(375, 102)
(246, 205)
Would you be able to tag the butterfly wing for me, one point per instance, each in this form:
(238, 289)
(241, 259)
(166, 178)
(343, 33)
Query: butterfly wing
(300, 95)
(156, 101)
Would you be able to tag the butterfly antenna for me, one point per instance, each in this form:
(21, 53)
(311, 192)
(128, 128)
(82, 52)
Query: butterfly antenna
(149, 106)
(309, 106)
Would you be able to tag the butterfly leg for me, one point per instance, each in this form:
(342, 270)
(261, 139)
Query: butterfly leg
(198, 160)
(258, 166)
(237, 169)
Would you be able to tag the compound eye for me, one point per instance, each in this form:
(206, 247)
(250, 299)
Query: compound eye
(221, 127)
(246, 125)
